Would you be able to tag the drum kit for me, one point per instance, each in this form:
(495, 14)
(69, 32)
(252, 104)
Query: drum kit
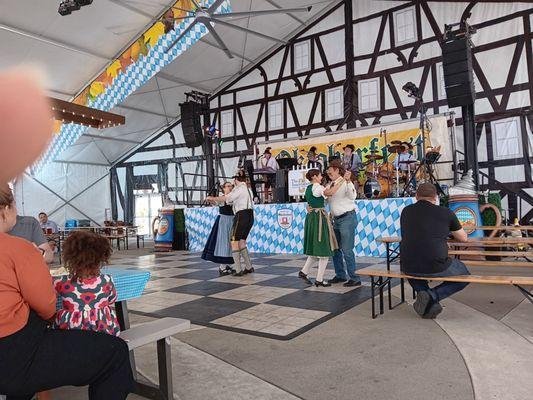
(378, 179)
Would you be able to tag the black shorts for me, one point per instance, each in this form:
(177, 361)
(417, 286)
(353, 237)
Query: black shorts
(242, 225)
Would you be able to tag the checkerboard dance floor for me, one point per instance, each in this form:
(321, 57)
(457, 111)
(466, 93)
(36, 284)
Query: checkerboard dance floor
(272, 302)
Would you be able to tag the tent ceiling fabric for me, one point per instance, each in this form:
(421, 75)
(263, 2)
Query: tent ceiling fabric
(96, 34)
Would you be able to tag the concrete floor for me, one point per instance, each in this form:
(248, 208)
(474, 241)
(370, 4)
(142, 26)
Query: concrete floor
(480, 348)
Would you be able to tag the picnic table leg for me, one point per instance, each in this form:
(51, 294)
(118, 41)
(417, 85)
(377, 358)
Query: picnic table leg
(372, 294)
(402, 288)
(121, 309)
(389, 290)
(164, 364)
(527, 294)
(380, 281)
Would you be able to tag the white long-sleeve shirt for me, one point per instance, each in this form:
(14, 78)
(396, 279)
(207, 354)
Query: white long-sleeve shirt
(240, 197)
(343, 200)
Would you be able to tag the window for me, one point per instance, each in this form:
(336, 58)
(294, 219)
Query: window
(442, 84)
(334, 104)
(275, 115)
(302, 56)
(369, 95)
(405, 27)
(506, 139)
(226, 123)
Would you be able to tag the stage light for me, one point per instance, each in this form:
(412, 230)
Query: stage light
(412, 90)
(84, 2)
(64, 9)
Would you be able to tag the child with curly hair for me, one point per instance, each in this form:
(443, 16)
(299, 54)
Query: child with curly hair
(86, 294)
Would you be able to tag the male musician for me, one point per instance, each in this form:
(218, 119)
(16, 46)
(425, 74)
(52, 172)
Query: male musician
(424, 250)
(312, 159)
(351, 160)
(341, 194)
(241, 199)
(269, 163)
(404, 156)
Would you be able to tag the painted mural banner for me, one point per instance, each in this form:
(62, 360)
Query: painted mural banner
(372, 138)
(150, 53)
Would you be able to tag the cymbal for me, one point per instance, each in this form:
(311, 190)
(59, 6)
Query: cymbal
(407, 162)
(397, 148)
(374, 151)
(396, 142)
(374, 157)
(409, 145)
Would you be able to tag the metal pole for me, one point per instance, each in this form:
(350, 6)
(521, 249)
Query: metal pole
(470, 143)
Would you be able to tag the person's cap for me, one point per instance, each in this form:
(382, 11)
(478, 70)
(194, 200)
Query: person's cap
(426, 190)
(349, 146)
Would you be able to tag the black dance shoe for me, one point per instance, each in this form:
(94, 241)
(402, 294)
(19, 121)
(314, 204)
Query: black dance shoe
(304, 277)
(240, 273)
(337, 280)
(352, 283)
(248, 271)
(323, 284)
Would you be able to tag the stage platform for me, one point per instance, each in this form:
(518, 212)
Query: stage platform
(279, 228)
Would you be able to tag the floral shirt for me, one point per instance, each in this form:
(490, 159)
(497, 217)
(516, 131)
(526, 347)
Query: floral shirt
(86, 304)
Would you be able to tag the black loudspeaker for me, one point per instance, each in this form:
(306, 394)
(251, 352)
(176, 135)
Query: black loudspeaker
(190, 124)
(281, 191)
(458, 72)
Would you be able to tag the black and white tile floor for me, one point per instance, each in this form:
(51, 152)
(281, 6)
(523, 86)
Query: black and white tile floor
(272, 302)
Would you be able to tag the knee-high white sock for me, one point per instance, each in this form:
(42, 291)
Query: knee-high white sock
(322, 264)
(308, 264)
(246, 258)
(237, 258)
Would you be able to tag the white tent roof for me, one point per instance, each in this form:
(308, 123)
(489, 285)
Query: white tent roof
(74, 49)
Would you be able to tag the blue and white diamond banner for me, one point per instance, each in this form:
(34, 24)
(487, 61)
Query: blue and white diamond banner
(135, 76)
(279, 228)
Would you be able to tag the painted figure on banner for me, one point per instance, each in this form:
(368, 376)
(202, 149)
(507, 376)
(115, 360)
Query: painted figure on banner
(319, 239)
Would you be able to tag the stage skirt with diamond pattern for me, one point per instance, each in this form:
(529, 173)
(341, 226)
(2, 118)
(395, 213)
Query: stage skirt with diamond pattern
(218, 246)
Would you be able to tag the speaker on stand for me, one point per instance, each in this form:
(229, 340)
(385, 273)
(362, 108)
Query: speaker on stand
(190, 124)
(459, 84)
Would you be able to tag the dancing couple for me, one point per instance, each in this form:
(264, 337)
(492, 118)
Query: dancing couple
(227, 241)
(322, 239)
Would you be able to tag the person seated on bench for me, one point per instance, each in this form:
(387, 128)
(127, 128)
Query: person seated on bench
(424, 251)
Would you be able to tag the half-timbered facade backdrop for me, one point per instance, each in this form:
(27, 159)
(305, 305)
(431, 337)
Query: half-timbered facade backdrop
(347, 70)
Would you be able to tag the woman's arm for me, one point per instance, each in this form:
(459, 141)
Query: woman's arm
(35, 281)
(218, 199)
(330, 191)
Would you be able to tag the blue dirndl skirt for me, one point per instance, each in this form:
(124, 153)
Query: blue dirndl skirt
(218, 246)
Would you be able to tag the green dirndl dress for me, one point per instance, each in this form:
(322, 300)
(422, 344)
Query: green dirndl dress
(312, 245)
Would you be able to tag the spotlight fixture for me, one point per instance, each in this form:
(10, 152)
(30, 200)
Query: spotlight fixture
(67, 6)
(412, 90)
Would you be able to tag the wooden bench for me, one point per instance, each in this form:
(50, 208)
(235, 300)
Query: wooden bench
(381, 277)
(158, 331)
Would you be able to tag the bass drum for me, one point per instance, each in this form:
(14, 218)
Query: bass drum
(386, 188)
(372, 189)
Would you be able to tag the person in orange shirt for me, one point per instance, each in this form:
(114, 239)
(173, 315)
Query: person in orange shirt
(33, 357)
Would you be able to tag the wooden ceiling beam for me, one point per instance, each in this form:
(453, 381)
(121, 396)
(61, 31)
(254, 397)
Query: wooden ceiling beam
(70, 112)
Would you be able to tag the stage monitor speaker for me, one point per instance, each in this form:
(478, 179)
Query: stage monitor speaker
(190, 124)
(458, 72)
(281, 190)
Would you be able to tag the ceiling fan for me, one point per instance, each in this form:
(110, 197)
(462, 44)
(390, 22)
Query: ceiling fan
(209, 17)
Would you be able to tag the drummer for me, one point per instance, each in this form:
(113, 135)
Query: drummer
(400, 161)
(351, 160)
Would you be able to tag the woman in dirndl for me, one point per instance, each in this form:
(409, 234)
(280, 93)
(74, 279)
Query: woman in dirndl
(218, 246)
(319, 238)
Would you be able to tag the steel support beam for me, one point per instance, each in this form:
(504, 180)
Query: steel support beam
(273, 3)
(53, 42)
(179, 81)
(67, 202)
(111, 138)
(124, 107)
(81, 163)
